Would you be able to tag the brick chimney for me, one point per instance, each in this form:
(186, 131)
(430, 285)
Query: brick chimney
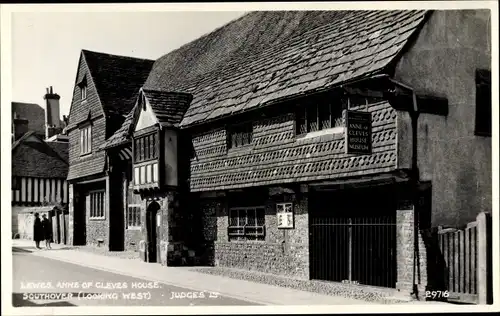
(19, 127)
(52, 112)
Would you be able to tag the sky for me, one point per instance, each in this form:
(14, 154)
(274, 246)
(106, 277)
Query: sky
(46, 45)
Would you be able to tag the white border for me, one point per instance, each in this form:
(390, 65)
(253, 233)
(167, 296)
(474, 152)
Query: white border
(6, 91)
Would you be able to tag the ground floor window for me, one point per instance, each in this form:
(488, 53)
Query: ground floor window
(246, 223)
(133, 216)
(133, 209)
(97, 204)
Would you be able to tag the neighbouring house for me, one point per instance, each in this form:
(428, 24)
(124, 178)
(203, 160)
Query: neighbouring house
(27, 117)
(39, 170)
(318, 147)
(106, 89)
(31, 117)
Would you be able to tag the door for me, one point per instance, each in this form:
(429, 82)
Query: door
(353, 236)
(152, 232)
(79, 220)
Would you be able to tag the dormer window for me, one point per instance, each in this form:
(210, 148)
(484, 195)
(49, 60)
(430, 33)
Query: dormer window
(83, 89)
(83, 92)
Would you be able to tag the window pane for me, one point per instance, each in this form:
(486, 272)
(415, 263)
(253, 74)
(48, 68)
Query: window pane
(136, 175)
(138, 216)
(148, 174)
(136, 150)
(155, 172)
(251, 217)
(324, 116)
(356, 102)
(103, 203)
(146, 147)
(153, 146)
(81, 141)
(336, 110)
(233, 218)
(89, 148)
(143, 174)
(260, 217)
(312, 118)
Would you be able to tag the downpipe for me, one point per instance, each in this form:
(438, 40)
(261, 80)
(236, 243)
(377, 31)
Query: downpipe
(414, 114)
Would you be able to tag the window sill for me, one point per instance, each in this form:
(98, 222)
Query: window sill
(482, 134)
(134, 228)
(87, 155)
(335, 132)
(97, 218)
(239, 150)
(246, 241)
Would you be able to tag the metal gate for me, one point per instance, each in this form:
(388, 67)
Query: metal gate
(353, 240)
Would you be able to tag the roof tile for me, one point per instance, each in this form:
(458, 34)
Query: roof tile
(33, 157)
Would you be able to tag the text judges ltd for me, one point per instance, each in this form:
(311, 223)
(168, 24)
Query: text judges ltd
(90, 284)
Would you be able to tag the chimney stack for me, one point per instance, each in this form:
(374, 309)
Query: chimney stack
(52, 112)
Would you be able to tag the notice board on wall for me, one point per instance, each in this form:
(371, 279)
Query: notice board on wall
(358, 136)
(284, 212)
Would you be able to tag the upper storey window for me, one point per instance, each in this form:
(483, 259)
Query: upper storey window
(83, 89)
(318, 116)
(483, 103)
(86, 140)
(145, 148)
(239, 135)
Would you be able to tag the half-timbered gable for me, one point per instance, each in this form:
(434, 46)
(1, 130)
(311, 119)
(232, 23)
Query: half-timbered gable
(39, 171)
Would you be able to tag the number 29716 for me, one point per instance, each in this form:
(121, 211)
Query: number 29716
(437, 294)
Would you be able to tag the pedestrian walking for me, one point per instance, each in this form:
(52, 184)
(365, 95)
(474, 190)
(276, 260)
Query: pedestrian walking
(47, 231)
(38, 234)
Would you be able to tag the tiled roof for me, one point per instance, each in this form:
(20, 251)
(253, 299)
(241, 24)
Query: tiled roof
(117, 79)
(121, 136)
(87, 167)
(32, 112)
(61, 148)
(168, 107)
(33, 157)
(267, 56)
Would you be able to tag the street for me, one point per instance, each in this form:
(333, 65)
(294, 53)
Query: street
(39, 281)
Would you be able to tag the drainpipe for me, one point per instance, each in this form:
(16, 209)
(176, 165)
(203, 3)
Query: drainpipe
(414, 180)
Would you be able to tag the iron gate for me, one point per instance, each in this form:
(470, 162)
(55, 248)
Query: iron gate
(355, 244)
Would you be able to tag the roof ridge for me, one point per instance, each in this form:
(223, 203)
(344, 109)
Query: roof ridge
(22, 138)
(208, 33)
(33, 133)
(114, 55)
(162, 91)
(267, 53)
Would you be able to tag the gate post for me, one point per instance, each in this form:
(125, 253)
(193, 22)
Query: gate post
(484, 247)
(404, 246)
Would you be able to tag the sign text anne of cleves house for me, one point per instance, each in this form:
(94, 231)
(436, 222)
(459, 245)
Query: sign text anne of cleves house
(359, 132)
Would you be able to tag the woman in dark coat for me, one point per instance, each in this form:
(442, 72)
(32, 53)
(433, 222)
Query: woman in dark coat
(37, 231)
(47, 231)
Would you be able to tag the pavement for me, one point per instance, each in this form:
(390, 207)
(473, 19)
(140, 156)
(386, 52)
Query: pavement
(40, 281)
(105, 274)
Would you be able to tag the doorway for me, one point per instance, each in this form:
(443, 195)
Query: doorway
(152, 228)
(353, 236)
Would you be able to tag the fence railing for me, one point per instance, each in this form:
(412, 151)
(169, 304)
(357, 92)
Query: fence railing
(467, 257)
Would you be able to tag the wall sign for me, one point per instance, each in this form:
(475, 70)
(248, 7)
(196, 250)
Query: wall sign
(358, 135)
(284, 212)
